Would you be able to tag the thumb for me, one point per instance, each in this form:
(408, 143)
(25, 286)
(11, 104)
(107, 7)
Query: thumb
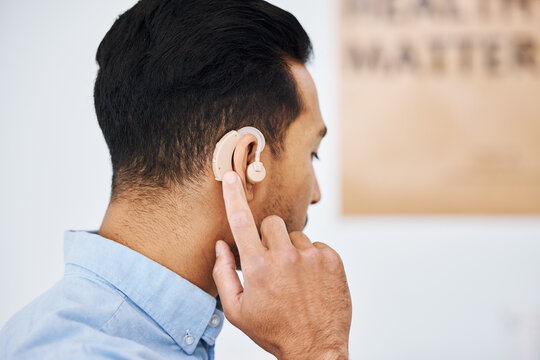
(227, 282)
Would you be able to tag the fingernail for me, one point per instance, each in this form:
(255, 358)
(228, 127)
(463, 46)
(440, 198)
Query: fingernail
(218, 249)
(230, 177)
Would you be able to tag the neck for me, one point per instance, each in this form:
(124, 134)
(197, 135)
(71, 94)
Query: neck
(179, 233)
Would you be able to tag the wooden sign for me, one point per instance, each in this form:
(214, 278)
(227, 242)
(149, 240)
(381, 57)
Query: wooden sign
(440, 106)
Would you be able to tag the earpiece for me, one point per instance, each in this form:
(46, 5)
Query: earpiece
(222, 159)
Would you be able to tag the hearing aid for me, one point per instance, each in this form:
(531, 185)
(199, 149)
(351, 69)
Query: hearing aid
(222, 159)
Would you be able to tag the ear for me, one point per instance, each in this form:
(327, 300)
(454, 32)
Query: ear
(244, 154)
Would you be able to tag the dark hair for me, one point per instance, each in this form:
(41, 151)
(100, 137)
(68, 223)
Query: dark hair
(176, 75)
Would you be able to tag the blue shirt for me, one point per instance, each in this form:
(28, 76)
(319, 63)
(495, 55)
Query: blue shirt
(114, 303)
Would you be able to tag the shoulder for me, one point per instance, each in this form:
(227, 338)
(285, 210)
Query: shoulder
(84, 317)
(78, 298)
(74, 309)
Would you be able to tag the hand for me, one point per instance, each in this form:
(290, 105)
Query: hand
(295, 302)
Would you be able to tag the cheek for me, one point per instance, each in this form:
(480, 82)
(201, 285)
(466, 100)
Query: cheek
(304, 186)
(292, 189)
(289, 198)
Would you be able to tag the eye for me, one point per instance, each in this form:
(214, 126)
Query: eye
(315, 155)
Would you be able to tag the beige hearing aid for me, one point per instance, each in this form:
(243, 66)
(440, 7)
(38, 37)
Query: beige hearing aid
(222, 159)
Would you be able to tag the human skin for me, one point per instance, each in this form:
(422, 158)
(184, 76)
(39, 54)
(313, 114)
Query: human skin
(295, 301)
(179, 227)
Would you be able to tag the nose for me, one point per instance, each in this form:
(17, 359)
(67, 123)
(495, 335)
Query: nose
(316, 196)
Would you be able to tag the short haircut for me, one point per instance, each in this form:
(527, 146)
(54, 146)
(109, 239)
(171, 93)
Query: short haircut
(176, 75)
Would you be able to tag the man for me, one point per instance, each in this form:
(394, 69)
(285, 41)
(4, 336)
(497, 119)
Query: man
(174, 77)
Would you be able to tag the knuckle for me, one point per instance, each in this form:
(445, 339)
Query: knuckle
(255, 265)
(332, 257)
(289, 258)
(257, 270)
(313, 257)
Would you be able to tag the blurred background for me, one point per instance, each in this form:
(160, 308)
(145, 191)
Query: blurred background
(436, 281)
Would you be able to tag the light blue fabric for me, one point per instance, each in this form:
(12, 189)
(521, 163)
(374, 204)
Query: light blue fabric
(114, 303)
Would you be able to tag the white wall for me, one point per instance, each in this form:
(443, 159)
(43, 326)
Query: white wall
(423, 288)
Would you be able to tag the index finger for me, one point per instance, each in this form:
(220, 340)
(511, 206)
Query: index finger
(239, 215)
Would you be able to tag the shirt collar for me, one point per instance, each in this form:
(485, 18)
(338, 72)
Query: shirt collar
(183, 310)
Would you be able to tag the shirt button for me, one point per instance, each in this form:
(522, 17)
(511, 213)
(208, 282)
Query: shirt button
(214, 321)
(188, 339)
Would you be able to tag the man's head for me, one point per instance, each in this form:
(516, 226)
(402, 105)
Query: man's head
(176, 75)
